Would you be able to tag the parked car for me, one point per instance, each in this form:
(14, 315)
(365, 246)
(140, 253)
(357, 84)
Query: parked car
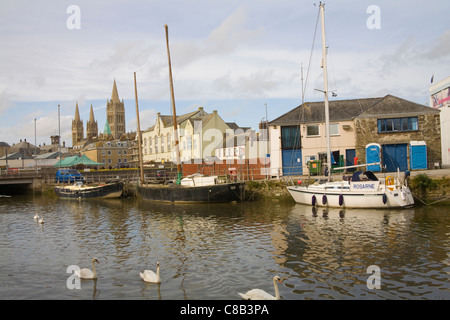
(69, 175)
(161, 175)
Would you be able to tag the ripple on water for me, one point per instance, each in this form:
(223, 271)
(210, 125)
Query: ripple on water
(215, 251)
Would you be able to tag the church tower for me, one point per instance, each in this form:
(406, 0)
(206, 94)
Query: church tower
(91, 127)
(77, 127)
(115, 113)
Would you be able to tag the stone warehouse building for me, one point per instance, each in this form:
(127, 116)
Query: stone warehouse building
(394, 124)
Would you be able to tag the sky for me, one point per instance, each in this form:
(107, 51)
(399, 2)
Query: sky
(245, 58)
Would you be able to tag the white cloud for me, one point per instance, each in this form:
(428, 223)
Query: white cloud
(221, 50)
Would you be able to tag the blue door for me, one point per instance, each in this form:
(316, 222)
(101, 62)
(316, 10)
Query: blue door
(395, 156)
(292, 162)
(350, 155)
(418, 155)
(373, 151)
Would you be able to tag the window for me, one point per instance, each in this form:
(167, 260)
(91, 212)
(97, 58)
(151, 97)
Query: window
(334, 129)
(156, 144)
(168, 142)
(398, 124)
(312, 131)
(290, 137)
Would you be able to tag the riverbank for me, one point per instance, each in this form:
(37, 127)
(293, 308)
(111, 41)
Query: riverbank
(428, 187)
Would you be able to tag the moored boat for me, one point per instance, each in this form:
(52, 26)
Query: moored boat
(78, 190)
(362, 190)
(222, 192)
(192, 189)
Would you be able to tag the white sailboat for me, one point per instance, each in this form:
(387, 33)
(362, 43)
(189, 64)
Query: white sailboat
(363, 189)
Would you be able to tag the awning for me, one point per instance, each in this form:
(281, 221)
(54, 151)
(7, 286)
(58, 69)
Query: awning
(75, 160)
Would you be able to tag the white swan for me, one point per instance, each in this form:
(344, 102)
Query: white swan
(150, 276)
(36, 216)
(86, 273)
(258, 294)
(41, 220)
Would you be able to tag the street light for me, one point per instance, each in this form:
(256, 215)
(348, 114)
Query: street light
(59, 138)
(35, 144)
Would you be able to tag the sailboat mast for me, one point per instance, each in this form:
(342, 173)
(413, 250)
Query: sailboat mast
(325, 80)
(139, 132)
(175, 126)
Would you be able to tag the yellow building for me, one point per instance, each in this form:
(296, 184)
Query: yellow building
(199, 134)
(112, 153)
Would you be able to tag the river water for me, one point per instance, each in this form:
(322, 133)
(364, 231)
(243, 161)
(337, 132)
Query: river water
(215, 251)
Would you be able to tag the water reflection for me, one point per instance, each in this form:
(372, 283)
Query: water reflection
(214, 251)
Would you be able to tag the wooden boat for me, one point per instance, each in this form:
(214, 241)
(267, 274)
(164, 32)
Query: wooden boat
(225, 192)
(79, 190)
(367, 192)
(192, 189)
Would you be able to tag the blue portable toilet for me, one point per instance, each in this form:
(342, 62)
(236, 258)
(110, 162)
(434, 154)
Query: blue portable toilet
(418, 155)
(373, 151)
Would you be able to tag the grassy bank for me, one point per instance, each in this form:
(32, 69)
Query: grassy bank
(430, 190)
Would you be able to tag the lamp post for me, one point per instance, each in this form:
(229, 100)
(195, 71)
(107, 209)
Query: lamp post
(35, 144)
(59, 137)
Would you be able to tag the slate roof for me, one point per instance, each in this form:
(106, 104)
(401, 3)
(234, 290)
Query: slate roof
(346, 110)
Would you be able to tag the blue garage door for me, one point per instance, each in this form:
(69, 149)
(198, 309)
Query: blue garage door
(292, 162)
(395, 156)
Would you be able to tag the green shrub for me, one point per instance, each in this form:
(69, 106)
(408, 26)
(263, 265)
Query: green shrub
(422, 184)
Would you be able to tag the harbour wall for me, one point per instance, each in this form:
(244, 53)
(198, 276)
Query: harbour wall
(428, 187)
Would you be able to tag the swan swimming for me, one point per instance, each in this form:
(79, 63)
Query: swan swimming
(41, 220)
(150, 276)
(86, 273)
(36, 216)
(258, 294)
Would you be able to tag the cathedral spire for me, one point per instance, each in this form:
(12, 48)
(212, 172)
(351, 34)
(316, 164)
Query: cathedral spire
(91, 127)
(77, 127)
(115, 113)
(107, 129)
(91, 116)
(115, 94)
(77, 113)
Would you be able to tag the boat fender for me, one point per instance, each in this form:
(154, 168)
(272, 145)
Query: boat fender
(313, 200)
(384, 198)
(341, 199)
(324, 199)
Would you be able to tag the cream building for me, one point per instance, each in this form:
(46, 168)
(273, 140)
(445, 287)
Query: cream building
(199, 134)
